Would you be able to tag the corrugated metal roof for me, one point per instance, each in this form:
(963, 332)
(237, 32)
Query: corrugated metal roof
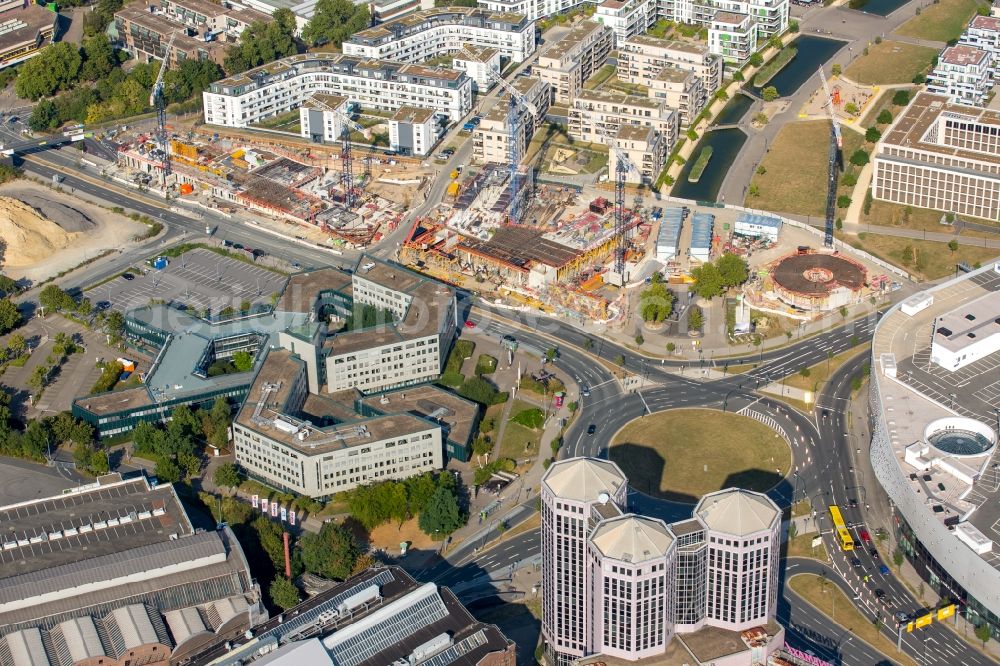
(133, 624)
(145, 559)
(184, 623)
(26, 648)
(81, 638)
(701, 230)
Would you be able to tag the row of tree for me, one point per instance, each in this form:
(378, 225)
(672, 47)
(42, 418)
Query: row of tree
(434, 497)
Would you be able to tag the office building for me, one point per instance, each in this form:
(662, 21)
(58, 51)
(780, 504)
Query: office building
(626, 18)
(644, 147)
(567, 63)
(491, 139)
(379, 616)
(113, 573)
(595, 116)
(203, 29)
(27, 28)
(942, 156)
(963, 74)
(441, 31)
(933, 442)
(414, 131)
(641, 58)
(622, 586)
(321, 117)
(285, 84)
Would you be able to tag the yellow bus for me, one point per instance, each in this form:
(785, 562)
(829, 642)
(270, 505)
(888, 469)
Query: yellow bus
(846, 542)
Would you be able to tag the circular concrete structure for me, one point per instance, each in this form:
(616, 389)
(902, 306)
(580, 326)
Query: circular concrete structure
(818, 282)
(957, 436)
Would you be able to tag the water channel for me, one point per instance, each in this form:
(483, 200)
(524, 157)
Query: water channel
(726, 143)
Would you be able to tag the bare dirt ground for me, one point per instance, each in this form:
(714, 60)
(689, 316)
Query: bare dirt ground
(91, 229)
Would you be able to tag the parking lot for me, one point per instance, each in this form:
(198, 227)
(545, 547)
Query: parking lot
(199, 279)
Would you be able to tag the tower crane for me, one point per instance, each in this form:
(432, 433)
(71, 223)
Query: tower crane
(622, 167)
(347, 177)
(834, 164)
(156, 100)
(518, 105)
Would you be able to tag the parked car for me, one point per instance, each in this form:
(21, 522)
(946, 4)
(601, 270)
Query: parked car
(128, 276)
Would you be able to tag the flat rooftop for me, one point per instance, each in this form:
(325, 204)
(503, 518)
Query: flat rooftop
(24, 25)
(911, 129)
(969, 324)
(87, 513)
(963, 55)
(729, 18)
(635, 133)
(429, 18)
(611, 97)
(302, 288)
(669, 44)
(413, 114)
(324, 101)
(431, 402)
(566, 47)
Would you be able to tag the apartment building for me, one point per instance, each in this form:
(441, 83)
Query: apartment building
(622, 586)
(942, 156)
(983, 32)
(413, 131)
(963, 74)
(681, 90)
(435, 32)
(734, 36)
(302, 443)
(491, 139)
(203, 29)
(481, 63)
(769, 17)
(285, 84)
(626, 18)
(641, 58)
(644, 147)
(566, 64)
(321, 117)
(597, 115)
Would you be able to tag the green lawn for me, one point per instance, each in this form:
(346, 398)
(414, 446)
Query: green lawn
(819, 373)
(516, 436)
(599, 77)
(682, 454)
(284, 122)
(796, 169)
(890, 62)
(801, 546)
(940, 22)
(931, 260)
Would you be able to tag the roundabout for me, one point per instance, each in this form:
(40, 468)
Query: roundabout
(681, 454)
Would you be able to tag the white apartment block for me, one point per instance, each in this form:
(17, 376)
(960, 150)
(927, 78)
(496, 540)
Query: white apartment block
(533, 9)
(622, 586)
(681, 90)
(491, 139)
(626, 18)
(321, 119)
(963, 74)
(413, 131)
(733, 36)
(983, 33)
(285, 84)
(566, 64)
(641, 58)
(941, 156)
(769, 17)
(644, 147)
(276, 440)
(435, 32)
(596, 116)
(481, 63)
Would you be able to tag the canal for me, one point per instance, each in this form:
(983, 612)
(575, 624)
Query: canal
(733, 112)
(812, 52)
(726, 146)
(881, 7)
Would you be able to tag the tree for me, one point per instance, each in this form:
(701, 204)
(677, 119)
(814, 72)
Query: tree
(696, 319)
(243, 361)
(44, 116)
(836, 69)
(859, 157)
(334, 21)
(867, 206)
(793, 26)
(897, 558)
(655, 303)
(756, 60)
(671, 347)
(754, 190)
(843, 201)
(761, 170)
(55, 68)
(901, 98)
(226, 475)
(442, 515)
(10, 316)
(167, 471)
(551, 354)
(263, 42)
(732, 269)
(851, 109)
(738, 76)
(908, 255)
(872, 134)
(792, 530)
(849, 179)
(16, 345)
(331, 553)
(953, 245)
(53, 298)
(98, 57)
(769, 94)
(283, 593)
(707, 281)
(269, 535)
(983, 633)
(775, 42)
